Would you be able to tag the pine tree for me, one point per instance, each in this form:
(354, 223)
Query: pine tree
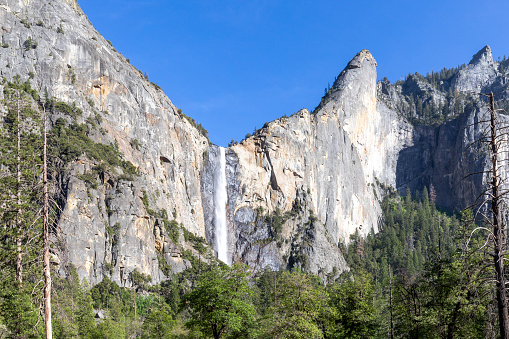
(21, 195)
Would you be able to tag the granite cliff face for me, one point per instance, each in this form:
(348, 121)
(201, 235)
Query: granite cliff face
(296, 189)
(330, 168)
(75, 64)
(330, 163)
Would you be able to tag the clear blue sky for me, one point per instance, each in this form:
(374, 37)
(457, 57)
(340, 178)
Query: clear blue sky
(234, 64)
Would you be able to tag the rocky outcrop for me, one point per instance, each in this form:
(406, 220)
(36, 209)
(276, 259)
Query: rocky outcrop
(479, 74)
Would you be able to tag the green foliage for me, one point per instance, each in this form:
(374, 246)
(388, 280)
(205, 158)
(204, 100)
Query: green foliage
(107, 294)
(19, 312)
(420, 108)
(197, 241)
(74, 303)
(193, 123)
(139, 279)
(109, 268)
(172, 228)
(276, 221)
(437, 290)
(327, 96)
(70, 110)
(135, 144)
(158, 325)
(25, 23)
(412, 233)
(71, 141)
(30, 44)
(355, 314)
(146, 303)
(265, 283)
(172, 290)
(156, 86)
(163, 265)
(91, 102)
(147, 206)
(220, 304)
(11, 87)
(110, 329)
(72, 307)
(90, 178)
(60, 29)
(20, 222)
(91, 122)
(72, 76)
(300, 304)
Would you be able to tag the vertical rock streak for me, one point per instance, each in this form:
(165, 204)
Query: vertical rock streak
(220, 200)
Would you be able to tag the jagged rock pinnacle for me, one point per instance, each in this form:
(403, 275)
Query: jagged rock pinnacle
(479, 74)
(362, 66)
(484, 55)
(360, 58)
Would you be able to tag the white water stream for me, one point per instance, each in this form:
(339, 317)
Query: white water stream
(220, 201)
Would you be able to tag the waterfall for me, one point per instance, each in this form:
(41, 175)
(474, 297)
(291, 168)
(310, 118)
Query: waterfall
(220, 201)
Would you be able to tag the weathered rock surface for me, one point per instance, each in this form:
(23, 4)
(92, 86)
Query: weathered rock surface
(296, 189)
(337, 156)
(74, 63)
(479, 74)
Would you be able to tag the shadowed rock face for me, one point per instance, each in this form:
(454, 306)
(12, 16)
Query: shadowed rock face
(446, 156)
(321, 172)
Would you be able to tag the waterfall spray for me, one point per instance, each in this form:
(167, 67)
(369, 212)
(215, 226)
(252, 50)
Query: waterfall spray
(220, 201)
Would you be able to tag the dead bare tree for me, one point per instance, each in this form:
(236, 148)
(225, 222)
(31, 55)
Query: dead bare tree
(499, 242)
(46, 240)
(19, 260)
(492, 208)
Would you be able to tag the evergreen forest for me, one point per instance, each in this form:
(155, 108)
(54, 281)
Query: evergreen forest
(426, 274)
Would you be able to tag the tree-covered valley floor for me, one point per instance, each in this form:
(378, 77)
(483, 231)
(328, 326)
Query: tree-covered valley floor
(416, 278)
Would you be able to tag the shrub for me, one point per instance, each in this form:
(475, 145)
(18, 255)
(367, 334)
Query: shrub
(70, 110)
(135, 144)
(30, 44)
(196, 125)
(25, 23)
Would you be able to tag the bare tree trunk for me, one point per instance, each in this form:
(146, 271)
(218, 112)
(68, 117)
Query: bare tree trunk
(135, 306)
(46, 255)
(498, 230)
(19, 263)
(390, 304)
